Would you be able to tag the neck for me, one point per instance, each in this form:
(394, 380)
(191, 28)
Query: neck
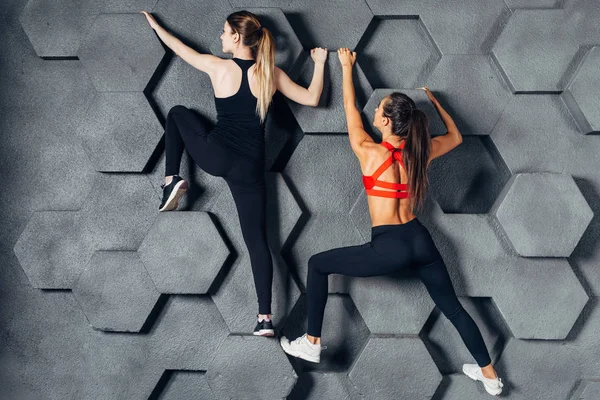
(243, 53)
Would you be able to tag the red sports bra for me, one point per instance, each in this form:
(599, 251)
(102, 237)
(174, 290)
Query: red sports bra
(401, 189)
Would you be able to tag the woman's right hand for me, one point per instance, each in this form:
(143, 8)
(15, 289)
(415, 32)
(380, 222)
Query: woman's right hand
(428, 92)
(151, 21)
(319, 54)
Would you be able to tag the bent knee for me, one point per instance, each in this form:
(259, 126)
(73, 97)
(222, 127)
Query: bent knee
(177, 109)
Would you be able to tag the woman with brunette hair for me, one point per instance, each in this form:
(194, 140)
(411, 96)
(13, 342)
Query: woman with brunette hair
(234, 149)
(395, 179)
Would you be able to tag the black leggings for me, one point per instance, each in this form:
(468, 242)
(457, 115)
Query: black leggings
(246, 180)
(393, 248)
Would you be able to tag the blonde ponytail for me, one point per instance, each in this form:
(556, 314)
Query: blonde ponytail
(261, 41)
(265, 72)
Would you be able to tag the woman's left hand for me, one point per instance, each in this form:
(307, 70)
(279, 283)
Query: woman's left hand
(347, 57)
(151, 20)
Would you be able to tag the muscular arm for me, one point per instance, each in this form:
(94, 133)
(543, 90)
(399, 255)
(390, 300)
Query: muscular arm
(203, 62)
(356, 131)
(306, 96)
(441, 145)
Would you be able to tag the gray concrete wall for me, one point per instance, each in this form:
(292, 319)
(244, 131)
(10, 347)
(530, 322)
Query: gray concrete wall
(90, 307)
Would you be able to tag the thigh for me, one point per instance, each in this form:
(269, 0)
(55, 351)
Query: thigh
(360, 261)
(251, 204)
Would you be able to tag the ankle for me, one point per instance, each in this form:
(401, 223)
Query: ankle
(313, 339)
(168, 179)
(489, 372)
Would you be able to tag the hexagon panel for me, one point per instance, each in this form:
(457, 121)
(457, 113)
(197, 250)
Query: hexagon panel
(553, 224)
(115, 291)
(377, 54)
(287, 46)
(120, 132)
(121, 52)
(55, 28)
(469, 178)
(328, 385)
(579, 95)
(405, 303)
(333, 24)
(187, 385)
(186, 333)
(529, 53)
(379, 372)
(54, 249)
(183, 252)
(471, 91)
(329, 115)
(250, 367)
(537, 133)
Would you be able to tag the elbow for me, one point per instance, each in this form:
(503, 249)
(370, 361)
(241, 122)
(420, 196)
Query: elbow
(313, 102)
(459, 138)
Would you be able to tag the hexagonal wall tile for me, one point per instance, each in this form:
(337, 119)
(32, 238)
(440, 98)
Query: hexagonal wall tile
(436, 125)
(579, 95)
(591, 391)
(328, 115)
(120, 132)
(550, 298)
(326, 173)
(187, 333)
(378, 54)
(54, 248)
(115, 291)
(317, 386)
(514, 4)
(469, 178)
(471, 91)
(187, 385)
(341, 322)
(529, 53)
(55, 28)
(524, 364)
(379, 372)
(183, 252)
(550, 226)
(250, 367)
(119, 211)
(287, 45)
(331, 24)
(121, 52)
(460, 27)
(405, 303)
(536, 133)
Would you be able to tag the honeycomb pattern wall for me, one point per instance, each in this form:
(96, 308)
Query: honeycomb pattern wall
(103, 298)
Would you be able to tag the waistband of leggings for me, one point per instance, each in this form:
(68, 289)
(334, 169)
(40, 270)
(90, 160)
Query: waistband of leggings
(407, 226)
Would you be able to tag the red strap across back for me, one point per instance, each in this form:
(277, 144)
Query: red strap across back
(401, 189)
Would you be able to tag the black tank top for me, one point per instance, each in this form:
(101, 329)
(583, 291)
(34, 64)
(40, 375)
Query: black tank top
(238, 125)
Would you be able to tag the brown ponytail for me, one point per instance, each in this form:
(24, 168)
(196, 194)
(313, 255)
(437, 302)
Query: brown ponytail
(262, 43)
(411, 124)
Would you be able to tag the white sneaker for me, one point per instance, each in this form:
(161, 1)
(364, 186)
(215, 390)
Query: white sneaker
(492, 386)
(302, 348)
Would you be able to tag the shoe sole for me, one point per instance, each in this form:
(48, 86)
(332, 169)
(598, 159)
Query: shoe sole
(299, 355)
(490, 391)
(265, 332)
(173, 201)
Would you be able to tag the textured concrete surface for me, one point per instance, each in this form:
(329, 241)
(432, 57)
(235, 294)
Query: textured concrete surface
(120, 52)
(84, 89)
(579, 95)
(115, 291)
(549, 227)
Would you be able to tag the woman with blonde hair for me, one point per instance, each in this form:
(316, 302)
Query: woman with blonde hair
(234, 149)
